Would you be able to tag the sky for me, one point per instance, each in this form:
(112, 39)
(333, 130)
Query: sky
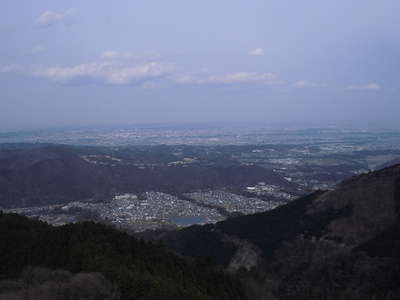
(79, 63)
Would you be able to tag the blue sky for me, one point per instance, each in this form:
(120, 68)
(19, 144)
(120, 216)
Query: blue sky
(66, 63)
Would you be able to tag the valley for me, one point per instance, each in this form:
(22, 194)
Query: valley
(147, 187)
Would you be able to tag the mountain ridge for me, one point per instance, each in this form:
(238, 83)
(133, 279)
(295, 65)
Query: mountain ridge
(340, 244)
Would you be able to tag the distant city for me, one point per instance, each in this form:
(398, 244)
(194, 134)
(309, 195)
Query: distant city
(191, 174)
(333, 137)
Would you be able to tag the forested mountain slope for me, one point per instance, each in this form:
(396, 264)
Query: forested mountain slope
(340, 244)
(133, 269)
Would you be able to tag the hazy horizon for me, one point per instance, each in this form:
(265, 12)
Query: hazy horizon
(378, 126)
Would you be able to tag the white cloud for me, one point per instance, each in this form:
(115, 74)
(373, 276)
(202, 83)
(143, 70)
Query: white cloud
(372, 86)
(123, 68)
(103, 72)
(256, 52)
(147, 74)
(50, 18)
(301, 84)
(229, 78)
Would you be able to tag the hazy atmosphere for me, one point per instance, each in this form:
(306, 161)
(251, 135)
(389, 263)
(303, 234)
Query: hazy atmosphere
(202, 150)
(73, 63)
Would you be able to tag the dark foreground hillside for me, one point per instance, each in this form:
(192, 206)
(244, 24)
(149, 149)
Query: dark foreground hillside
(341, 244)
(93, 261)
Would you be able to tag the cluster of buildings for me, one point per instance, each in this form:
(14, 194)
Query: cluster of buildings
(232, 202)
(263, 189)
(152, 210)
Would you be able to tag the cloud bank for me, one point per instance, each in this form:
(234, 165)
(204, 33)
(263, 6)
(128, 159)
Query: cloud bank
(111, 73)
(125, 68)
(229, 78)
(105, 72)
(117, 68)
